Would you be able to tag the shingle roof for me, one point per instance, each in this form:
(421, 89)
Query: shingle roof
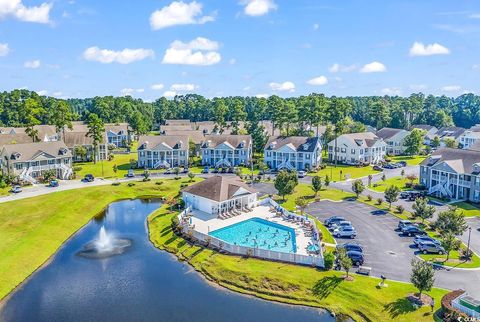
(196, 136)
(299, 143)
(212, 141)
(361, 138)
(218, 188)
(27, 151)
(152, 141)
(451, 131)
(388, 132)
(14, 139)
(460, 160)
(72, 139)
(424, 127)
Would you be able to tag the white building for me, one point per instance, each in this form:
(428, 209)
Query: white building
(395, 140)
(226, 150)
(356, 148)
(29, 161)
(449, 132)
(294, 152)
(118, 134)
(468, 139)
(162, 151)
(218, 195)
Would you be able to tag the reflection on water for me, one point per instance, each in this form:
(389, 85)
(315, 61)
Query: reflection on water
(142, 284)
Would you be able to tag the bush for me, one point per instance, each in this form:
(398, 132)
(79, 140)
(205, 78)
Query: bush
(146, 179)
(183, 185)
(77, 169)
(116, 183)
(178, 178)
(400, 209)
(131, 184)
(369, 197)
(408, 185)
(379, 201)
(328, 260)
(466, 254)
(159, 183)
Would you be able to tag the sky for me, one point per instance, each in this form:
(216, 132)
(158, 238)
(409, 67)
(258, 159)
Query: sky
(154, 48)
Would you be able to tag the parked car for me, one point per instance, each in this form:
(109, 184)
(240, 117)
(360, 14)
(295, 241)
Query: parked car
(423, 239)
(130, 173)
(231, 170)
(351, 247)
(412, 231)
(168, 171)
(402, 164)
(206, 170)
(356, 257)
(215, 170)
(405, 194)
(430, 247)
(347, 231)
(301, 174)
(53, 183)
(88, 178)
(388, 166)
(404, 223)
(184, 170)
(377, 168)
(16, 189)
(332, 220)
(340, 224)
(224, 170)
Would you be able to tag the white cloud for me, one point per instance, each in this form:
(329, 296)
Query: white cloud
(232, 61)
(419, 49)
(373, 67)
(57, 94)
(336, 68)
(392, 91)
(42, 92)
(247, 88)
(318, 81)
(169, 94)
(157, 87)
(4, 50)
(316, 26)
(474, 67)
(200, 51)
(475, 16)
(262, 96)
(125, 56)
(33, 64)
(257, 8)
(282, 87)
(451, 88)
(183, 87)
(15, 8)
(179, 13)
(131, 91)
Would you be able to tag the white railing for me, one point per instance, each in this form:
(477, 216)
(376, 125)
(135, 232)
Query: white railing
(314, 260)
(472, 313)
(161, 163)
(46, 167)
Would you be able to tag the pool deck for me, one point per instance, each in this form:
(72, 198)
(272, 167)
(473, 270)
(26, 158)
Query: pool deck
(206, 223)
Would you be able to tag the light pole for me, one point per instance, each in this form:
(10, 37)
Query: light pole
(468, 244)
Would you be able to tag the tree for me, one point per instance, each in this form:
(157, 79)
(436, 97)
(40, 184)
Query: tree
(30, 114)
(451, 221)
(414, 141)
(422, 209)
(449, 243)
(358, 187)
(391, 195)
(176, 171)
(96, 130)
(423, 276)
(327, 180)
(219, 112)
(238, 115)
(80, 151)
(412, 177)
(450, 143)
(115, 169)
(285, 183)
(435, 142)
(191, 175)
(146, 175)
(316, 184)
(62, 117)
(263, 168)
(370, 177)
(302, 204)
(344, 261)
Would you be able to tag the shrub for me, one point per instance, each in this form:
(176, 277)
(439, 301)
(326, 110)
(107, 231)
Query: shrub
(183, 185)
(158, 183)
(369, 197)
(131, 184)
(146, 179)
(178, 178)
(77, 169)
(328, 260)
(400, 209)
(379, 201)
(408, 184)
(466, 254)
(116, 183)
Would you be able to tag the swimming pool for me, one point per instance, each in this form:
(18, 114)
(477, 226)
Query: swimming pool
(259, 233)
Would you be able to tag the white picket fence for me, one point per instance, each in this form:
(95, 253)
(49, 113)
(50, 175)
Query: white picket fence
(312, 260)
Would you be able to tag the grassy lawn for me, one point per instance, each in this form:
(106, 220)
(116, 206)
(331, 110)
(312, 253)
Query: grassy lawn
(468, 209)
(33, 229)
(453, 261)
(400, 182)
(347, 172)
(5, 191)
(360, 299)
(327, 236)
(414, 160)
(122, 161)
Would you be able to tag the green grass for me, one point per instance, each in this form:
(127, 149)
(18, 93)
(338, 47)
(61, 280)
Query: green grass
(33, 229)
(326, 235)
(105, 168)
(5, 191)
(400, 182)
(468, 209)
(347, 172)
(361, 298)
(414, 160)
(454, 260)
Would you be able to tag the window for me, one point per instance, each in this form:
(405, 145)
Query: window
(361, 151)
(343, 150)
(352, 151)
(18, 166)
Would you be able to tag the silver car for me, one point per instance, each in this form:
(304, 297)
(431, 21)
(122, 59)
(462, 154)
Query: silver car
(346, 231)
(431, 247)
(340, 224)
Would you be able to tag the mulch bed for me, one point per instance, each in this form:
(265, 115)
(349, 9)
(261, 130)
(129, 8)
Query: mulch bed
(424, 301)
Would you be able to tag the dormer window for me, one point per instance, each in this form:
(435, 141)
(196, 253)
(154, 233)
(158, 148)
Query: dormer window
(242, 144)
(62, 151)
(16, 156)
(272, 145)
(180, 143)
(305, 147)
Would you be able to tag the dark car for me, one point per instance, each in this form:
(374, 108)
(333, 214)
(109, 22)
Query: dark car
(168, 171)
(405, 194)
(422, 239)
(402, 164)
(412, 231)
(89, 178)
(330, 221)
(206, 170)
(404, 223)
(224, 170)
(356, 257)
(388, 166)
(377, 168)
(351, 247)
(231, 170)
(215, 170)
(53, 183)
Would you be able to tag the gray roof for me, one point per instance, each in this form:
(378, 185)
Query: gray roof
(30, 151)
(117, 128)
(388, 132)
(298, 143)
(424, 127)
(72, 139)
(176, 142)
(462, 161)
(196, 136)
(450, 131)
(212, 141)
(218, 188)
(14, 139)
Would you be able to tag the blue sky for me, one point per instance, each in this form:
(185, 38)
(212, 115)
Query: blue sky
(152, 48)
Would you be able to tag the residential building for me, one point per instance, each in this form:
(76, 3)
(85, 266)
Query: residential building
(44, 133)
(356, 148)
(468, 139)
(29, 161)
(430, 132)
(162, 151)
(452, 173)
(394, 138)
(75, 139)
(226, 150)
(118, 134)
(219, 194)
(293, 152)
(449, 132)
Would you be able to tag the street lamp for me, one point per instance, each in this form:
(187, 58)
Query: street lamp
(468, 244)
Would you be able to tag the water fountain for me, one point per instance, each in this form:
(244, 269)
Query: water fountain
(105, 246)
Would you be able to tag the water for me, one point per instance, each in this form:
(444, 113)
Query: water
(142, 284)
(260, 233)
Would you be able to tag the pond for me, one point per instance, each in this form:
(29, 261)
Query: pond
(137, 283)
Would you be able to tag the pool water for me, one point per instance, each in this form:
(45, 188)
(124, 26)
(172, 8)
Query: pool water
(259, 233)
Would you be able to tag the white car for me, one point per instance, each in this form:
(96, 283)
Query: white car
(347, 231)
(16, 189)
(301, 174)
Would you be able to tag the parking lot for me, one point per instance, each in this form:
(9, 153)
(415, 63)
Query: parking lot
(474, 236)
